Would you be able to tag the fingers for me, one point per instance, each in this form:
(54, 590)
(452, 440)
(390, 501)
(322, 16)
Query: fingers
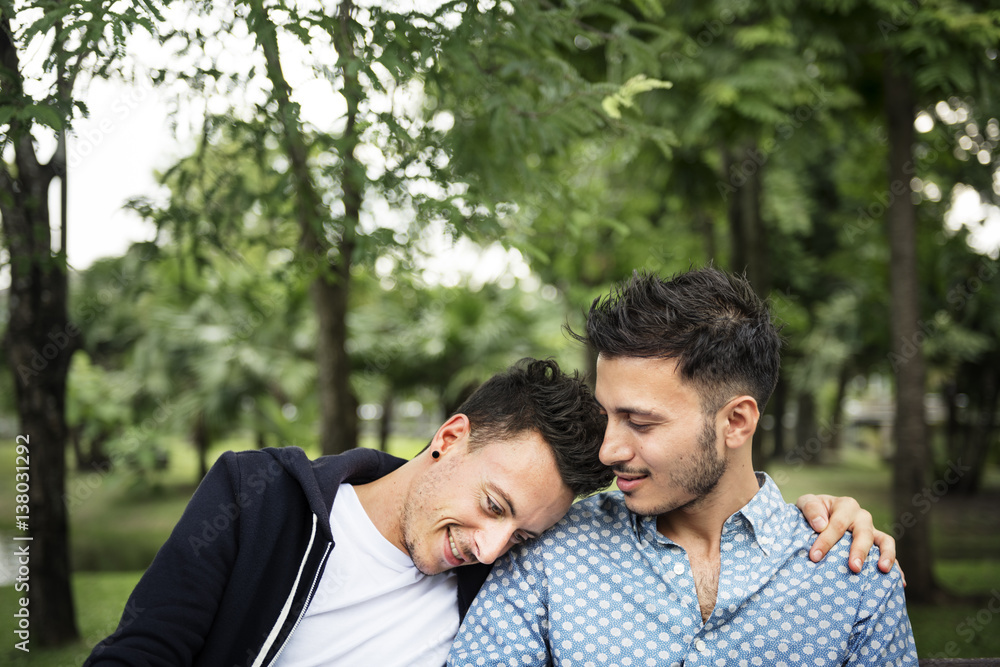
(833, 516)
(831, 535)
(887, 550)
(845, 514)
(815, 510)
(863, 531)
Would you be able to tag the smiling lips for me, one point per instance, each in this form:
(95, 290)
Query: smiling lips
(455, 553)
(629, 483)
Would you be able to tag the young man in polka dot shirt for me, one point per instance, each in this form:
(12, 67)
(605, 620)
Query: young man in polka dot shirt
(696, 560)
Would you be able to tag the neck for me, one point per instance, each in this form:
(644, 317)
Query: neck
(697, 526)
(383, 502)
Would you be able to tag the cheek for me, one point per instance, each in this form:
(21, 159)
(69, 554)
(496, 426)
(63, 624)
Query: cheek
(657, 452)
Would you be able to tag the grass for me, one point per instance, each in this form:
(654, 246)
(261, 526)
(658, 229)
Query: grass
(961, 631)
(100, 598)
(119, 521)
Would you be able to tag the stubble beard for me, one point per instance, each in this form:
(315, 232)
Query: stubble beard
(410, 542)
(414, 509)
(697, 479)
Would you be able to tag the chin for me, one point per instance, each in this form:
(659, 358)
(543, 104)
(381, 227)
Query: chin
(429, 569)
(650, 507)
(639, 507)
(424, 565)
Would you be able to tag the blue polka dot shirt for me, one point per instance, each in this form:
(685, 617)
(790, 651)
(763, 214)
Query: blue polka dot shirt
(603, 587)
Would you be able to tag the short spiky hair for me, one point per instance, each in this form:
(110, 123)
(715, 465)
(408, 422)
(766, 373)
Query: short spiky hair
(714, 325)
(535, 395)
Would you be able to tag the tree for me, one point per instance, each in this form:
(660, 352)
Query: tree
(322, 183)
(330, 287)
(599, 187)
(914, 55)
(962, 356)
(41, 339)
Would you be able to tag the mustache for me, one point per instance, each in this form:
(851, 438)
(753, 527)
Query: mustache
(630, 472)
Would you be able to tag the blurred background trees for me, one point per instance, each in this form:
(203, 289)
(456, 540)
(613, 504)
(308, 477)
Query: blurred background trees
(310, 280)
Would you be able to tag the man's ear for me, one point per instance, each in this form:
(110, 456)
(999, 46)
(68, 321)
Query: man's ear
(741, 416)
(453, 432)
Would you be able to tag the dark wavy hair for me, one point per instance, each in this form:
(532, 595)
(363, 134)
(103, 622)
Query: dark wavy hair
(712, 322)
(535, 395)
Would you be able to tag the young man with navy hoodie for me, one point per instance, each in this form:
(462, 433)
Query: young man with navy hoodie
(366, 559)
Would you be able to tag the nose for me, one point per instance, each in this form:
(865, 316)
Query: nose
(492, 542)
(615, 448)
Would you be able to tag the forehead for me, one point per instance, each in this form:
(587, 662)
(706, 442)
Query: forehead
(641, 385)
(517, 457)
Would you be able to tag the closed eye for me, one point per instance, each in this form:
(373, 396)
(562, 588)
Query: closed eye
(493, 507)
(638, 427)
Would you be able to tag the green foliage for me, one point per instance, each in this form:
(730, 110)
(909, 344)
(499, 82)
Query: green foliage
(408, 335)
(98, 400)
(75, 39)
(625, 96)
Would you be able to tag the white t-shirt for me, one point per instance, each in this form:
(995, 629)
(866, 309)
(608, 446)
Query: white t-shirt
(372, 606)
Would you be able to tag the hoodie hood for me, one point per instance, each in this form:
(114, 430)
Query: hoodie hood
(320, 478)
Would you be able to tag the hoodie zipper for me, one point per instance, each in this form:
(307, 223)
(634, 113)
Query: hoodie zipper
(309, 597)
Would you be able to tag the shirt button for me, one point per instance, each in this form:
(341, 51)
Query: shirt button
(678, 568)
(700, 645)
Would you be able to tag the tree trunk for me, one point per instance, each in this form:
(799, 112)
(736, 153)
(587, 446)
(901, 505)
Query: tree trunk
(779, 403)
(837, 414)
(95, 457)
(952, 426)
(748, 240)
(748, 236)
(981, 430)
(338, 409)
(807, 440)
(75, 435)
(706, 227)
(385, 424)
(201, 444)
(329, 288)
(40, 342)
(912, 461)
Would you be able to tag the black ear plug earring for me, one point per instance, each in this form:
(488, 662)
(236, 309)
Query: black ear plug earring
(435, 453)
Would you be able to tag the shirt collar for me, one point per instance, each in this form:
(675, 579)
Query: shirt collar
(635, 521)
(762, 513)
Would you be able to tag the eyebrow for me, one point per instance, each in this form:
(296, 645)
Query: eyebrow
(513, 513)
(626, 410)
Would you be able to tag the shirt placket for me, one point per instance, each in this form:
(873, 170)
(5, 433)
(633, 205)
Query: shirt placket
(674, 570)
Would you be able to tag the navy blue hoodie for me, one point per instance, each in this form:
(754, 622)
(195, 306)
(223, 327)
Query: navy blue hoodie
(238, 571)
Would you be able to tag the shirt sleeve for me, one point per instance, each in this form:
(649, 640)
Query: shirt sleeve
(882, 634)
(508, 622)
(173, 606)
